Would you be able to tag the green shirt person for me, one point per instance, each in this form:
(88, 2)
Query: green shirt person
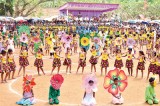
(53, 95)
(150, 96)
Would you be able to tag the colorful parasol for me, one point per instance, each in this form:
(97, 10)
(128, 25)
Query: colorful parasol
(84, 41)
(131, 42)
(85, 83)
(56, 81)
(109, 81)
(28, 83)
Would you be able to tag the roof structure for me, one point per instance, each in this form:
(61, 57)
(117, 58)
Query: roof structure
(87, 8)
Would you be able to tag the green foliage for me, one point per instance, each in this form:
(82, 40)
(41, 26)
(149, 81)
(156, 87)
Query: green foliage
(6, 6)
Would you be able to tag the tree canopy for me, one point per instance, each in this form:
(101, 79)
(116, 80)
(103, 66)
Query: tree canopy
(129, 9)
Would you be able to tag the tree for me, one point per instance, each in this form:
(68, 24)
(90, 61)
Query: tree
(26, 7)
(6, 7)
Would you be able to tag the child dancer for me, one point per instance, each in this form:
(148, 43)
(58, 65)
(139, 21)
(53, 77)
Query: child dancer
(141, 62)
(4, 66)
(28, 95)
(104, 61)
(93, 60)
(152, 66)
(39, 62)
(118, 62)
(59, 45)
(149, 48)
(117, 99)
(11, 63)
(158, 66)
(67, 60)
(56, 60)
(150, 95)
(157, 46)
(75, 43)
(23, 59)
(90, 85)
(54, 89)
(129, 62)
(82, 59)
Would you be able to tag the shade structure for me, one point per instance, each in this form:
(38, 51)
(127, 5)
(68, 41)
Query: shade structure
(86, 9)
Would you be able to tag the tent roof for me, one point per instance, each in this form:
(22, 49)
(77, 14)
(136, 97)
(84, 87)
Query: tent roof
(77, 6)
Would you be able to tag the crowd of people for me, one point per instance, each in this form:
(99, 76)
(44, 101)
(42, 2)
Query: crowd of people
(116, 39)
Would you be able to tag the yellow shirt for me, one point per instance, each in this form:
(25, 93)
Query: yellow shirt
(104, 56)
(118, 57)
(158, 63)
(10, 59)
(69, 55)
(3, 59)
(153, 61)
(141, 60)
(24, 53)
(39, 56)
(149, 46)
(82, 56)
(56, 56)
(129, 56)
(94, 53)
(144, 35)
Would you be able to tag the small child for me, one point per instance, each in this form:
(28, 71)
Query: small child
(93, 60)
(56, 60)
(158, 66)
(39, 61)
(104, 62)
(4, 66)
(23, 59)
(141, 62)
(152, 66)
(28, 95)
(11, 63)
(67, 60)
(82, 59)
(54, 89)
(90, 84)
(117, 99)
(129, 62)
(118, 62)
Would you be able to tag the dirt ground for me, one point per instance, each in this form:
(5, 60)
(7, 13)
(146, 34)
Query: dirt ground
(71, 90)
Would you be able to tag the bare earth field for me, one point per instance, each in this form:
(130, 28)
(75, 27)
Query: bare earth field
(71, 90)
